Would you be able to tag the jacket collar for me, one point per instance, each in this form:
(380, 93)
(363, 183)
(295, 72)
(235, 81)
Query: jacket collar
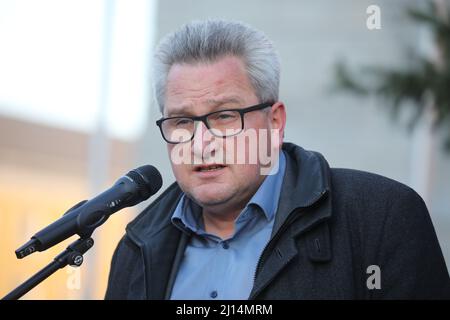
(305, 202)
(307, 177)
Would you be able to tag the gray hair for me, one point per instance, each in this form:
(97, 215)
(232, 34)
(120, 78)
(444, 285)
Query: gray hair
(210, 40)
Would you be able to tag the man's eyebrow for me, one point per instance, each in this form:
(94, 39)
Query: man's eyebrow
(225, 100)
(186, 110)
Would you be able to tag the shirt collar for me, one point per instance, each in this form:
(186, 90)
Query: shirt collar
(268, 194)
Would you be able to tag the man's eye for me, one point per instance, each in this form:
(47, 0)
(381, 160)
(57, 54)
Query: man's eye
(182, 122)
(225, 116)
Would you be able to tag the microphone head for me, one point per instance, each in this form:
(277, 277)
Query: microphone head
(147, 178)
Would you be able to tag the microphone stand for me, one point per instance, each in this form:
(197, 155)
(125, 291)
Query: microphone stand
(73, 256)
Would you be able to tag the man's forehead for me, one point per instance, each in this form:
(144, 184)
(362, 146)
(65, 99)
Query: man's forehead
(207, 86)
(197, 77)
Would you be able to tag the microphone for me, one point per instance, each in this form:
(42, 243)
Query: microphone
(82, 219)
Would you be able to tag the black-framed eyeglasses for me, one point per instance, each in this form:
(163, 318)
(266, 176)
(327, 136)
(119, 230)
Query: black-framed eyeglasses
(223, 123)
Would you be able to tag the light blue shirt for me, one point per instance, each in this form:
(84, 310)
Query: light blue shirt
(215, 268)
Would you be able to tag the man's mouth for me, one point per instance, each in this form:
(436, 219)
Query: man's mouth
(209, 167)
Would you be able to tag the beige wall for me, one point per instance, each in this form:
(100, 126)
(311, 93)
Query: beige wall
(43, 172)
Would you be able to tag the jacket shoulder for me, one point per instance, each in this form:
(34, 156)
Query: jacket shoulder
(367, 200)
(361, 182)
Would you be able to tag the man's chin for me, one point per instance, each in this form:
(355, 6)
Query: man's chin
(211, 196)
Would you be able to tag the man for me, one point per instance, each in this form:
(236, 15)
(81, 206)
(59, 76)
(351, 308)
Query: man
(283, 227)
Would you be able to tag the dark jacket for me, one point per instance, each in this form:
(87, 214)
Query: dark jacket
(330, 227)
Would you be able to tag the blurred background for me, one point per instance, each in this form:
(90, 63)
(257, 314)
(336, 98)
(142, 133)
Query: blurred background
(77, 112)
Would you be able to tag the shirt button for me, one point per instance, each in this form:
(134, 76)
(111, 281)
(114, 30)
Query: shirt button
(225, 245)
(213, 294)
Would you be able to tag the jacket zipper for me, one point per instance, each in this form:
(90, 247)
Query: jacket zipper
(291, 218)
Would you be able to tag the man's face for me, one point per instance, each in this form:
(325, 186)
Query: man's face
(198, 89)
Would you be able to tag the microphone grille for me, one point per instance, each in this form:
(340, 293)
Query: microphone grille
(147, 178)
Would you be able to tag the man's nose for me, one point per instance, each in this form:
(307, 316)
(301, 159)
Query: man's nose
(198, 142)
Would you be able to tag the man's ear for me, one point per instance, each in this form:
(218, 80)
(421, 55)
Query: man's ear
(278, 118)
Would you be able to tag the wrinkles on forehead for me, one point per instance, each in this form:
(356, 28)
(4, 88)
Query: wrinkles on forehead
(213, 104)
